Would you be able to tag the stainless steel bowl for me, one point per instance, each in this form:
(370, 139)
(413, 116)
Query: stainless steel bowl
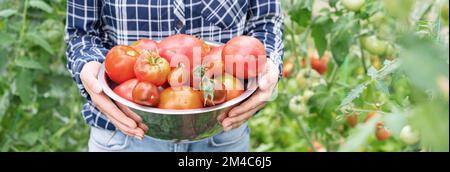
(178, 125)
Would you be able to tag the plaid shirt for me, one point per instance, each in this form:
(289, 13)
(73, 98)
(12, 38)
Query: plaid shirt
(94, 26)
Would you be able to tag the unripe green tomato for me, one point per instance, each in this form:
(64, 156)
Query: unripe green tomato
(373, 45)
(297, 105)
(399, 8)
(409, 136)
(377, 18)
(353, 5)
(301, 80)
(292, 86)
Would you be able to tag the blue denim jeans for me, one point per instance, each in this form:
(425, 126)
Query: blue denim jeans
(236, 140)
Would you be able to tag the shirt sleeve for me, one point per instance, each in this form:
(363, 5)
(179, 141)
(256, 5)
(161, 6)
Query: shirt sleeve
(83, 37)
(265, 22)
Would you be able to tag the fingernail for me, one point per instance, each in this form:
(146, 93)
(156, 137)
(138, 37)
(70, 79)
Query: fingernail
(139, 137)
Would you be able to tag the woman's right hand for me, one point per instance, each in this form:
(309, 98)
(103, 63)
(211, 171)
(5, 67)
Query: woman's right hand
(123, 118)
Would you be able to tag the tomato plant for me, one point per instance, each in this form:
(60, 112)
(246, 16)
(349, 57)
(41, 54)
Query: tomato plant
(383, 67)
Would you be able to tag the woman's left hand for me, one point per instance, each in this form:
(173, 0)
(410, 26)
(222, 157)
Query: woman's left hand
(240, 114)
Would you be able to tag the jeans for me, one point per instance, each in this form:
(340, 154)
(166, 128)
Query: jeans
(236, 140)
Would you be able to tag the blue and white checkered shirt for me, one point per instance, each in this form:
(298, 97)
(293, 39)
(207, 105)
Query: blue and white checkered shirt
(95, 26)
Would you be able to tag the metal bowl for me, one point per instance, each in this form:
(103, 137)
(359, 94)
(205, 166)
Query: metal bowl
(178, 125)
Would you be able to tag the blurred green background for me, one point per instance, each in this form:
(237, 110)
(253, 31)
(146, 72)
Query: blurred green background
(380, 58)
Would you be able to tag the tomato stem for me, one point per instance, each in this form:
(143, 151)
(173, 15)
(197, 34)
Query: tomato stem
(24, 22)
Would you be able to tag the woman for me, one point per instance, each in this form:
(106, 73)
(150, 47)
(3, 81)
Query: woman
(94, 26)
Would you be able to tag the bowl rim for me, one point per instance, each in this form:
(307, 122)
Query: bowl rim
(251, 88)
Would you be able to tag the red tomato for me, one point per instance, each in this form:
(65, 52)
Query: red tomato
(288, 67)
(369, 116)
(150, 67)
(183, 46)
(146, 94)
(244, 57)
(214, 64)
(119, 63)
(181, 98)
(214, 92)
(233, 86)
(125, 90)
(145, 44)
(179, 76)
(352, 120)
(381, 133)
(319, 65)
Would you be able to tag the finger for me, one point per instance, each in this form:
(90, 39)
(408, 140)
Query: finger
(270, 77)
(143, 127)
(234, 122)
(260, 97)
(224, 114)
(245, 117)
(111, 110)
(129, 112)
(133, 132)
(88, 77)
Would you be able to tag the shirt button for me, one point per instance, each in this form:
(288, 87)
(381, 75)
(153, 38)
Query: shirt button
(180, 24)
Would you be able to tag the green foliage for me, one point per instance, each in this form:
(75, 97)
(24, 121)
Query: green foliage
(403, 82)
(39, 102)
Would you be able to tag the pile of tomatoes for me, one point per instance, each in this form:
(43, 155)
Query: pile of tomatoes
(184, 72)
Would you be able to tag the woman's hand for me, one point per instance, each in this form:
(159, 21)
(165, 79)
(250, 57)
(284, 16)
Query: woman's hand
(123, 118)
(240, 114)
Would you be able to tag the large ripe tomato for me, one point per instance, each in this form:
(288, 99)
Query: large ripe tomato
(150, 67)
(233, 86)
(181, 98)
(146, 94)
(244, 57)
(119, 63)
(214, 92)
(212, 66)
(179, 76)
(183, 46)
(213, 63)
(145, 44)
(125, 90)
